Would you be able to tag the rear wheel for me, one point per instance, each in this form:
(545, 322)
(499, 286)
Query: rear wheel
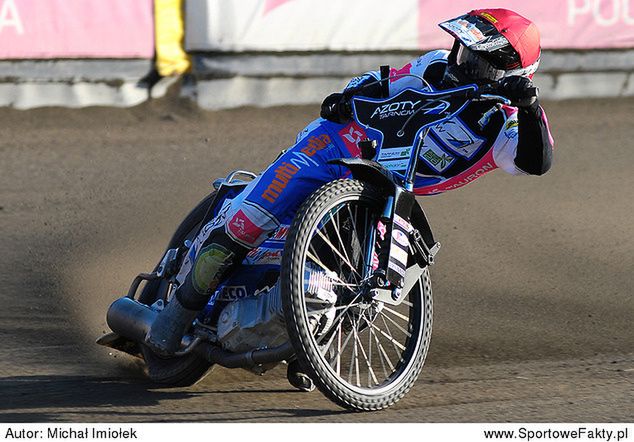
(361, 353)
(184, 370)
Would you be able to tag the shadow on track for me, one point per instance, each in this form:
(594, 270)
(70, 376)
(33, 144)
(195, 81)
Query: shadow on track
(62, 398)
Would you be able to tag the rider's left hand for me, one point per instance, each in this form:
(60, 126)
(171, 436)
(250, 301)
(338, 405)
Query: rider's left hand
(336, 108)
(520, 90)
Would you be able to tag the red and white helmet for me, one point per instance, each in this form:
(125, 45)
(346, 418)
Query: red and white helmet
(491, 44)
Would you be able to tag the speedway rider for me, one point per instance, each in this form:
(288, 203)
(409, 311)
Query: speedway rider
(491, 45)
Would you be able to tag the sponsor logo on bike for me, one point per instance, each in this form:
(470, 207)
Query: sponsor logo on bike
(457, 137)
(394, 153)
(399, 254)
(440, 162)
(398, 109)
(402, 223)
(400, 237)
(407, 108)
(395, 165)
(396, 267)
(231, 293)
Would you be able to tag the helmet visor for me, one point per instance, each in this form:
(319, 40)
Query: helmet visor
(475, 66)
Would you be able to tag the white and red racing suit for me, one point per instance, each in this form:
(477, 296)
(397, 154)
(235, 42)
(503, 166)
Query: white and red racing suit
(478, 140)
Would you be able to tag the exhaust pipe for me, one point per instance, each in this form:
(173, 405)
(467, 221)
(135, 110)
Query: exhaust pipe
(132, 320)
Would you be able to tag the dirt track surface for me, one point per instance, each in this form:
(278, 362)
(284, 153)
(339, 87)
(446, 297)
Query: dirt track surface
(533, 286)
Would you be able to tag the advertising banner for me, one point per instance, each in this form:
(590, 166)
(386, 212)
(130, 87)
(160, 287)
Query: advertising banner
(32, 29)
(377, 25)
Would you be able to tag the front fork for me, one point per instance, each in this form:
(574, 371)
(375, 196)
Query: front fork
(400, 237)
(372, 243)
(396, 216)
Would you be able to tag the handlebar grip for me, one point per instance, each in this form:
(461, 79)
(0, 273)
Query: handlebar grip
(490, 88)
(534, 91)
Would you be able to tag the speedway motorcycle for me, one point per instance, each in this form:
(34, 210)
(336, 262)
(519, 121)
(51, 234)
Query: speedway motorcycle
(344, 289)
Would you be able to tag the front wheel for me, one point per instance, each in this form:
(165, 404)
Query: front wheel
(362, 354)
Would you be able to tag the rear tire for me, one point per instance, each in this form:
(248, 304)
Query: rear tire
(182, 371)
(368, 354)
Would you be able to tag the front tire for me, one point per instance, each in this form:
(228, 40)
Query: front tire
(365, 355)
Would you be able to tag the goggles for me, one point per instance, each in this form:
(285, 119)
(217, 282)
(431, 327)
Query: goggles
(475, 66)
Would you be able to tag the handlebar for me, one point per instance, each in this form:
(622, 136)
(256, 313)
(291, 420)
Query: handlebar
(486, 92)
(491, 92)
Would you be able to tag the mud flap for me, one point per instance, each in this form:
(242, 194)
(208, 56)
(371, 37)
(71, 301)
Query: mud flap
(113, 340)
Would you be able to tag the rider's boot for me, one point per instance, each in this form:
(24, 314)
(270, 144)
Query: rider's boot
(167, 330)
(213, 262)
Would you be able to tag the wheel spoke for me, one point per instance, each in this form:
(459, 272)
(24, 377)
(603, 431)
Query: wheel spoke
(326, 310)
(388, 337)
(339, 318)
(353, 362)
(405, 332)
(343, 247)
(395, 313)
(341, 347)
(337, 252)
(338, 280)
(407, 303)
(367, 361)
(353, 220)
(387, 327)
(382, 353)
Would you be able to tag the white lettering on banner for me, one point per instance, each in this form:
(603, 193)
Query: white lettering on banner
(604, 12)
(10, 17)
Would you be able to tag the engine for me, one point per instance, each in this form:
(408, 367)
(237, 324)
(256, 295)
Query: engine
(257, 321)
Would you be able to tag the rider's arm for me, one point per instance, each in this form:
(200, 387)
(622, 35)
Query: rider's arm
(535, 143)
(429, 66)
(524, 146)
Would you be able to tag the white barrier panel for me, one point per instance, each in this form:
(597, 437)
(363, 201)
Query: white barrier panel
(378, 25)
(301, 25)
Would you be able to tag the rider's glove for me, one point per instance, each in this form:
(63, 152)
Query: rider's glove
(520, 90)
(336, 108)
